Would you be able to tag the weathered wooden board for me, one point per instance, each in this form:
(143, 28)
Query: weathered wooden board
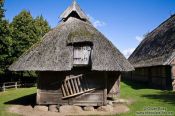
(50, 92)
(156, 77)
(81, 55)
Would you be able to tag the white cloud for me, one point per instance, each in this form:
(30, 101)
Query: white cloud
(128, 52)
(98, 23)
(139, 38)
(95, 22)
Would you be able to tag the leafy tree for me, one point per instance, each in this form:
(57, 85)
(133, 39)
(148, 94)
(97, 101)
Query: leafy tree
(17, 37)
(1, 9)
(27, 31)
(41, 25)
(5, 42)
(24, 32)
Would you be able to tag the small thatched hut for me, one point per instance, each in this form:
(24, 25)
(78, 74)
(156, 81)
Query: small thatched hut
(76, 63)
(154, 58)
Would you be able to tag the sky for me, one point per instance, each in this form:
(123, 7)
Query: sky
(123, 22)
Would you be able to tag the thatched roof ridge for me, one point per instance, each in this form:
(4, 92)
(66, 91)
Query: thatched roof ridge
(157, 48)
(74, 8)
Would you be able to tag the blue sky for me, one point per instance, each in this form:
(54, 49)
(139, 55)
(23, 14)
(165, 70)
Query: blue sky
(124, 22)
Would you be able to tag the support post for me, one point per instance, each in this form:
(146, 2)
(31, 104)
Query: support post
(131, 76)
(173, 84)
(105, 89)
(16, 85)
(118, 83)
(3, 87)
(173, 77)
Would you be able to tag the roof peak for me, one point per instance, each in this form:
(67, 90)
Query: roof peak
(74, 4)
(74, 10)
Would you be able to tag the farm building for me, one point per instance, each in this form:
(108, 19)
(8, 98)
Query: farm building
(154, 58)
(77, 64)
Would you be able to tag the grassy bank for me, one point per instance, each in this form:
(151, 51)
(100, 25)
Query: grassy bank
(138, 93)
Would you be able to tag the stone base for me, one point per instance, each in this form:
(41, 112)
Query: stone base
(107, 108)
(70, 109)
(53, 108)
(89, 108)
(41, 108)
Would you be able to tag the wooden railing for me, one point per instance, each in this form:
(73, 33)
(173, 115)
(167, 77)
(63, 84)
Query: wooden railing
(8, 85)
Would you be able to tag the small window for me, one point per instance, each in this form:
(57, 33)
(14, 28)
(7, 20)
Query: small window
(81, 55)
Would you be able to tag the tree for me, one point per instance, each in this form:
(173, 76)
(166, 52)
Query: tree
(1, 9)
(18, 36)
(5, 42)
(27, 31)
(41, 25)
(24, 32)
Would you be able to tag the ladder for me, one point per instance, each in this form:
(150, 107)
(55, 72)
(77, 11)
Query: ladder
(75, 85)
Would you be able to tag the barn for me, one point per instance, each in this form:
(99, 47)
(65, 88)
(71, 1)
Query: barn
(154, 58)
(77, 64)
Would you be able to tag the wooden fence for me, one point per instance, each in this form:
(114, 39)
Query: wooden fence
(8, 85)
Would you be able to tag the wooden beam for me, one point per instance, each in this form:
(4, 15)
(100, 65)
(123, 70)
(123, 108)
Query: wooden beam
(105, 89)
(76, 85)
(69, 87)
(66, 88)
(78, 93)
(63, 90)
(79, 85)
(73, 86)
(173, 76)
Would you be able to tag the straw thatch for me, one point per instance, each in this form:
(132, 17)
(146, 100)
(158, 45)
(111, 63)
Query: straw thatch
(55, 51)
(74, 8)
(158, 47)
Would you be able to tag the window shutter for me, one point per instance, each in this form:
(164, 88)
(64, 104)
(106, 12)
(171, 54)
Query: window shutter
(82, 55)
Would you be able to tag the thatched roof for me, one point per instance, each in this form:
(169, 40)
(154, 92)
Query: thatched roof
(55, 51)
(158, 47)
(74, 8)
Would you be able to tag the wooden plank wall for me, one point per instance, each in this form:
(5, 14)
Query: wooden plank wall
(49, 89)
(113, 85)
(156, 77)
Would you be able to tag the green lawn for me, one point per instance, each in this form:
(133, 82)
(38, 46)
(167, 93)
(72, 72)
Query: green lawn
(136, 92)
(146, 98)
(14, 96)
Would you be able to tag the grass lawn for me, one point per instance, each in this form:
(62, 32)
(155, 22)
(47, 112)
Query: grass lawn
(14, 96)
(146, 98)
(141, 96)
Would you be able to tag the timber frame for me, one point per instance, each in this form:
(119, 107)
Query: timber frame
(93, 92)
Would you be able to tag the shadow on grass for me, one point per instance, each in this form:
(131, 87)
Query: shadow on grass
(164, 96)
(25, 100)
(145, 85)
(137, 85)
